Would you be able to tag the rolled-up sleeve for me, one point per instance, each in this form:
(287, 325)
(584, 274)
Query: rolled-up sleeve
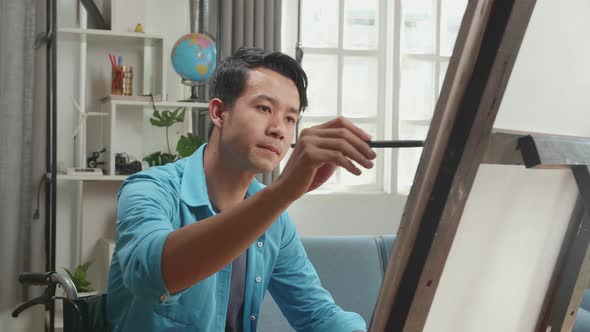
(297, 290)
(145, 211)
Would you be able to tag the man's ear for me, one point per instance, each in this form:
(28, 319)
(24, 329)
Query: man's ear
(216, 110)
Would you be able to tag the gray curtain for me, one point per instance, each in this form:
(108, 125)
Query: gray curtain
(17, 68)
(251, 23)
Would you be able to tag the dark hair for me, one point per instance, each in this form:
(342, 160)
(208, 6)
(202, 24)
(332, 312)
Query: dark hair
(229, 79)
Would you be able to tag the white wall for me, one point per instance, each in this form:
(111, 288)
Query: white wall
(549, 90)
(347, 214)
(169, 19)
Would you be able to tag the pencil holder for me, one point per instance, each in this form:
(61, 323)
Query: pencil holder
(122, 80)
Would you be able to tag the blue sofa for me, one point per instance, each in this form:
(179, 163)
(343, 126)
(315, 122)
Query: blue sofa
(582, 323)
(351, 268)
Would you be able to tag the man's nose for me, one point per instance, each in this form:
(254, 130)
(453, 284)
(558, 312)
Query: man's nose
(276, 128)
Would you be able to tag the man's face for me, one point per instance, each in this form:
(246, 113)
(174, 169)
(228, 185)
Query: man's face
(258, 130)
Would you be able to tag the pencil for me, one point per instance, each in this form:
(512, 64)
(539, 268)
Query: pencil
(393, 144)
(396, 144)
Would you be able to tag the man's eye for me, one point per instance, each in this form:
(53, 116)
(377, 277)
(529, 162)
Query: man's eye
(291, 119)
(264, 108)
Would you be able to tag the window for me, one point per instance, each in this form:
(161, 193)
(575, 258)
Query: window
(356, 54)
(342, 42)
(428, 32)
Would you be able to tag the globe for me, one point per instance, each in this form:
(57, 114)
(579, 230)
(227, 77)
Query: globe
(194, 58)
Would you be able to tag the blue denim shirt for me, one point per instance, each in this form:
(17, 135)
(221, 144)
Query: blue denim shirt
(155, 202)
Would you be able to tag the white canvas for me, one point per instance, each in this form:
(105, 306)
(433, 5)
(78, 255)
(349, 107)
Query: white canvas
(503, 255)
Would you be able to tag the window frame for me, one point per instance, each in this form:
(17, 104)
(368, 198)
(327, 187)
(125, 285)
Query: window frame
(436, 57)
(380, 53)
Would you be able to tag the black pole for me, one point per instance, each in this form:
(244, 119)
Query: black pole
(51, 157)
(47, 211)
(54, 130)
(47, 143)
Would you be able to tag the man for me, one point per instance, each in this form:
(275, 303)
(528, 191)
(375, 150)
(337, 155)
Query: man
(200, 241)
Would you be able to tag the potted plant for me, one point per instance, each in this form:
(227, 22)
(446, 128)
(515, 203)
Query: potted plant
(79, 279)
(185, 146)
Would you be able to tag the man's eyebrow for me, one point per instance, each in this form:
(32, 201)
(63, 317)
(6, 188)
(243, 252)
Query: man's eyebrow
(265, 97)
(295, 112)
(274, 101)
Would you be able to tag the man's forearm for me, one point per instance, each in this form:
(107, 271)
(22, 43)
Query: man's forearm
(197, 251)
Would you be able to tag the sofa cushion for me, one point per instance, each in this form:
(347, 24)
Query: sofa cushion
(385, 243)
(582, 323)
(350, 268)
(586, 300)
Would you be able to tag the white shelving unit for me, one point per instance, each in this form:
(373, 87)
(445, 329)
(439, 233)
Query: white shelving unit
(86, 204)
(143, 51)
(105, 124)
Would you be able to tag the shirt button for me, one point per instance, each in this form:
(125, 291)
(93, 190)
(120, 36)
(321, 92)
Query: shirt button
(163, 298)
(260, 244)
(252, 317)
(258, 279)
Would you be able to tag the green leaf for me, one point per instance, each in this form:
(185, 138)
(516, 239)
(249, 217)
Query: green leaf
(180, 117)
(79, 277)
(187, 145)
(84, 267)
(69, 273)
(79, 274)
(165, 119)
(157, 122)
(168, 158)
(153, 159)
(160, 158)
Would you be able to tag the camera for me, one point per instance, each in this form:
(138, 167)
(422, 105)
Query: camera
(124, 167)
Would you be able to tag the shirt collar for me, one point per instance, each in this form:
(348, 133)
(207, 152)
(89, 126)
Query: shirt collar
(194, 183)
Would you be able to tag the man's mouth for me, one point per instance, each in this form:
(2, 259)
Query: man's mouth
(271, 148)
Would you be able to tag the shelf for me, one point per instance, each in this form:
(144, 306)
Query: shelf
(158, 103)
(91, 177)
(96, 35)
(96, 114)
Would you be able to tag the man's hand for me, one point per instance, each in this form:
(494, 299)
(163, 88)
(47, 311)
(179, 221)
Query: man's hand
(319, 151)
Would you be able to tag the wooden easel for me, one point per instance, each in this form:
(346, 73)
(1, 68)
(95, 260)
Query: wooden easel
(459, 140)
